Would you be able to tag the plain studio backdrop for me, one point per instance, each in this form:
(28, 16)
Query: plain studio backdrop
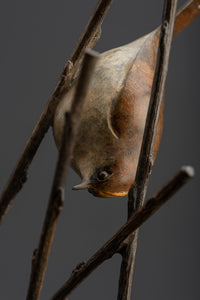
(37, 38)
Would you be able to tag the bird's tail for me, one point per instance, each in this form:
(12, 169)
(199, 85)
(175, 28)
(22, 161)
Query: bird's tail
(186, 14)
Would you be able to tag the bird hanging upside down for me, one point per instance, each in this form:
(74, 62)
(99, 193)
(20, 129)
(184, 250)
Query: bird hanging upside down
(109, 139)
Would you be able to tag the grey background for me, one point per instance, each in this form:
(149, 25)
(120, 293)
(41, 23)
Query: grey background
(37, 38)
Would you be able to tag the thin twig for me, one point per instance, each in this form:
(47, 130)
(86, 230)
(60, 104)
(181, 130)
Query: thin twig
(41, 255)
(146, 156)
(111, 247)
(138, 190)
(87, 40)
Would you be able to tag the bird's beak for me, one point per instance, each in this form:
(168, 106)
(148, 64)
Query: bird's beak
(85, 184)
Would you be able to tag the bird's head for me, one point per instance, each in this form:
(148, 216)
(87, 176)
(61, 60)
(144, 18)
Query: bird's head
(107, 179)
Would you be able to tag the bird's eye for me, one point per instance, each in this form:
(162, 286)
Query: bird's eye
(103, 175)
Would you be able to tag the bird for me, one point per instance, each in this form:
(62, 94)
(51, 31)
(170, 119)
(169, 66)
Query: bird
(109, 138)
(112, 122)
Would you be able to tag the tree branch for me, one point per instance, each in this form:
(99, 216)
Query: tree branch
(112, 246)
(87, 40)
(138, 190)
(41, 255)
